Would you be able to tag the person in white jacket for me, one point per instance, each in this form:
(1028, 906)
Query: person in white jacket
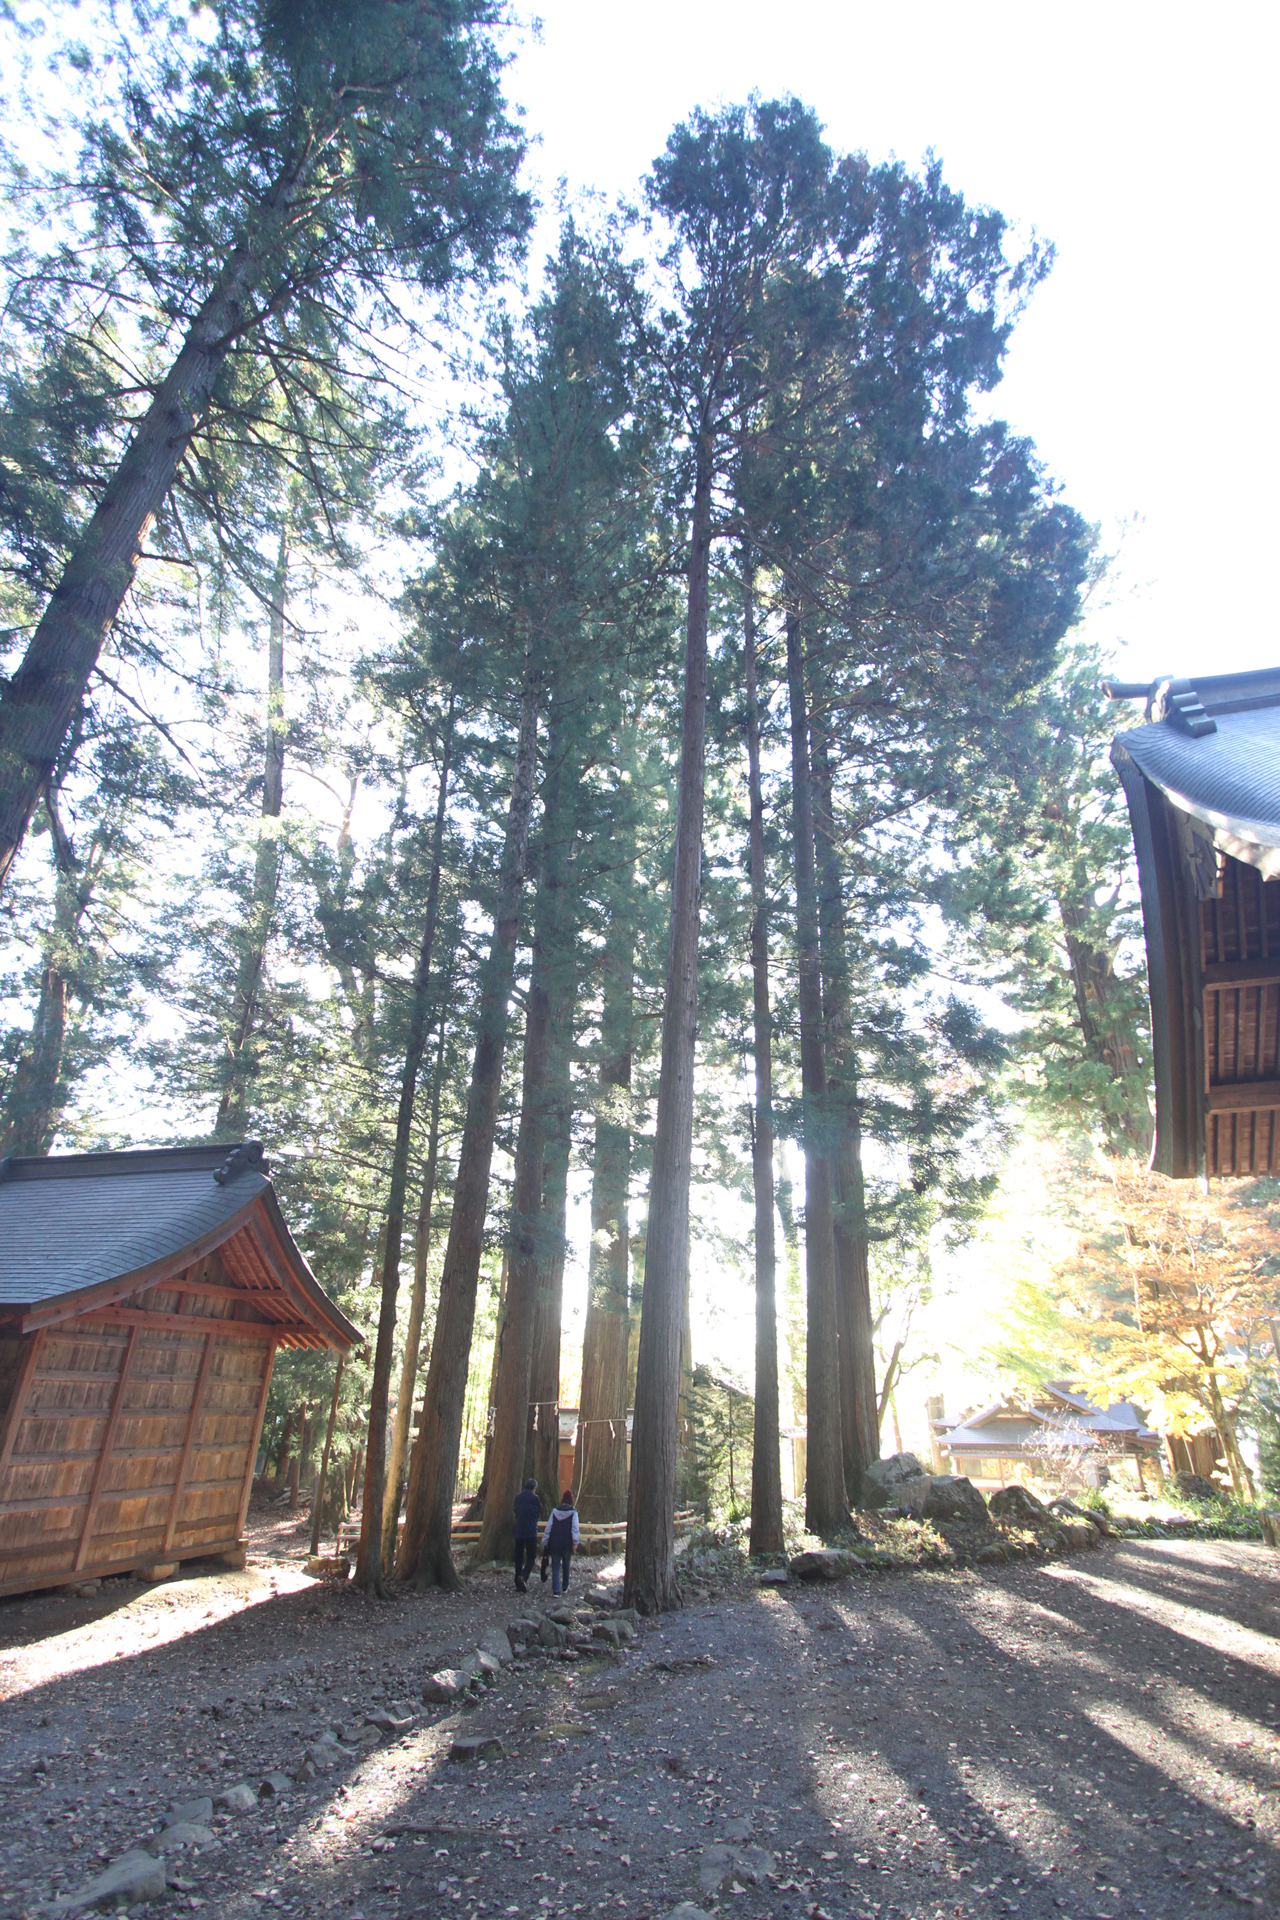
(559, 1540)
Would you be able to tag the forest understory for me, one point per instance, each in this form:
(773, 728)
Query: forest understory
(1091, 1737)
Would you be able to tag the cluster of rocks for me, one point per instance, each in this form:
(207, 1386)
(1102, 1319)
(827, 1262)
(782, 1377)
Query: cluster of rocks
(900, 1488)
(563, 1632)
(147, 1871)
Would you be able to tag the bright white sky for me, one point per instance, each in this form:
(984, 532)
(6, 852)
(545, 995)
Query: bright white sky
(1131, 135)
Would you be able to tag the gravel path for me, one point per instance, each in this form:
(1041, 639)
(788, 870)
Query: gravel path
(1096, 1736)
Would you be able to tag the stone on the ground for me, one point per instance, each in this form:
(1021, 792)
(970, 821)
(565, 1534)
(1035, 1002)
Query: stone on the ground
(564, 1616)
(617, 1633)
(446, 1686)
(774, 1577)
(136, 1875)
(687, 1911)
(487, 1664)
(601, 1597)
(824, 1563)
(551, 1633)
(954, 1497)
(726, 1862)
(909, 1496)
(992, 1555)
(518, 1631)
(183, 1833)
(1065, 1506)
(386, 1721)
(493, 1640)
(86, 1589)
(274, 1786)
(739, 1829)
(194, 1812)
(1078, 1533)
(238, 1799)
(158, 1570)
(881, 1480)
(1017, 1503)
(476, 1746)
(1270, 1519)
(235, 1558)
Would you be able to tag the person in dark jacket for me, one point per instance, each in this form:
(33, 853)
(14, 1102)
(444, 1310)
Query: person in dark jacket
(525, 1529)
(559, 1541)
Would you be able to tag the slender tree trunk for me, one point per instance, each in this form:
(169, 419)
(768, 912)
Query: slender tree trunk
(424, 1553)
(793, 1299)
(859, 1424)
(542, 1446)
(515, 1358)
(766, 1451)
(232, 1121)
(369, 1573)
(650, 1583)
(323, 1475)
(1241, 1480)
(39, 705)
(398, 1450)
(601, 1463)
(826, 1510)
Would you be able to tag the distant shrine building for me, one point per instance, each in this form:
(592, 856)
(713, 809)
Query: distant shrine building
(1202, 781)
(142, 1299)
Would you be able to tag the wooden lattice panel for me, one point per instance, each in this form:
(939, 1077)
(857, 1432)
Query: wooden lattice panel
(1240, 965)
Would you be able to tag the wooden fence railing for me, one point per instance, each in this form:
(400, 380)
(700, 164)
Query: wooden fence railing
(594, 1536)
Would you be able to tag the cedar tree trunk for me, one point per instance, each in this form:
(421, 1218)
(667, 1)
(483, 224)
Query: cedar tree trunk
(766, 1455)
(399, 1446)
(505, 1468)
(369, 1573)
(650, 1582)
(424, 1553)
(542, 1443)
(859, 1421)
(232, 1121)
(826, 1510)
(601, 1463)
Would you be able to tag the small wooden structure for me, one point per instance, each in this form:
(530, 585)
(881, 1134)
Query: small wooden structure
(1041, 1433)
(1202, 781)
(142, 1299)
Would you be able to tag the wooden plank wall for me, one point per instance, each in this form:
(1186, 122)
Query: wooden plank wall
(132, 1443)
(1240, 936)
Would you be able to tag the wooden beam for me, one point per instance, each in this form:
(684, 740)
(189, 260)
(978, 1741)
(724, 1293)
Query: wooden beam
(104, 1455)
(207, 1290)
(271, 1330)
(18, 1399)
(197, 1400)
(1240, 973)
(256, 1436)
(1243, 1096)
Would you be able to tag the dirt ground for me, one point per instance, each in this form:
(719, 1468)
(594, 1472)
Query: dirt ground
(1098, 1736)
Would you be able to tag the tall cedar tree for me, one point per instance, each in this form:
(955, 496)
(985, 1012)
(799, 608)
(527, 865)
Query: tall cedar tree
(307, 157)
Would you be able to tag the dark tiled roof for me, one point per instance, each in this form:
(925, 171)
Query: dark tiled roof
(1213, 746)
(75, 1221)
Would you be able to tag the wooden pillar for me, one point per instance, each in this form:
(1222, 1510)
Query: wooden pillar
(255, 1436)
(18, 1401)
(188, 1442)
(108, 1442)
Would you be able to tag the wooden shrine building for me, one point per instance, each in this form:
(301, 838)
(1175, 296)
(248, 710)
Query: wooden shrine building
(142, 1299)
(1202, 780)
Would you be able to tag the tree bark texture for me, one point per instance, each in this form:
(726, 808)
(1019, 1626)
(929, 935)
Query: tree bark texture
(859, 1421)
(246, 1000)
(369, 1566)
(766, 1455)
(505, 1469)
(424, 1553)
(826, 1510)
(542, 1443)
(793, 1300)
(601, 1462)
(650, 1583)
(399, 1447)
